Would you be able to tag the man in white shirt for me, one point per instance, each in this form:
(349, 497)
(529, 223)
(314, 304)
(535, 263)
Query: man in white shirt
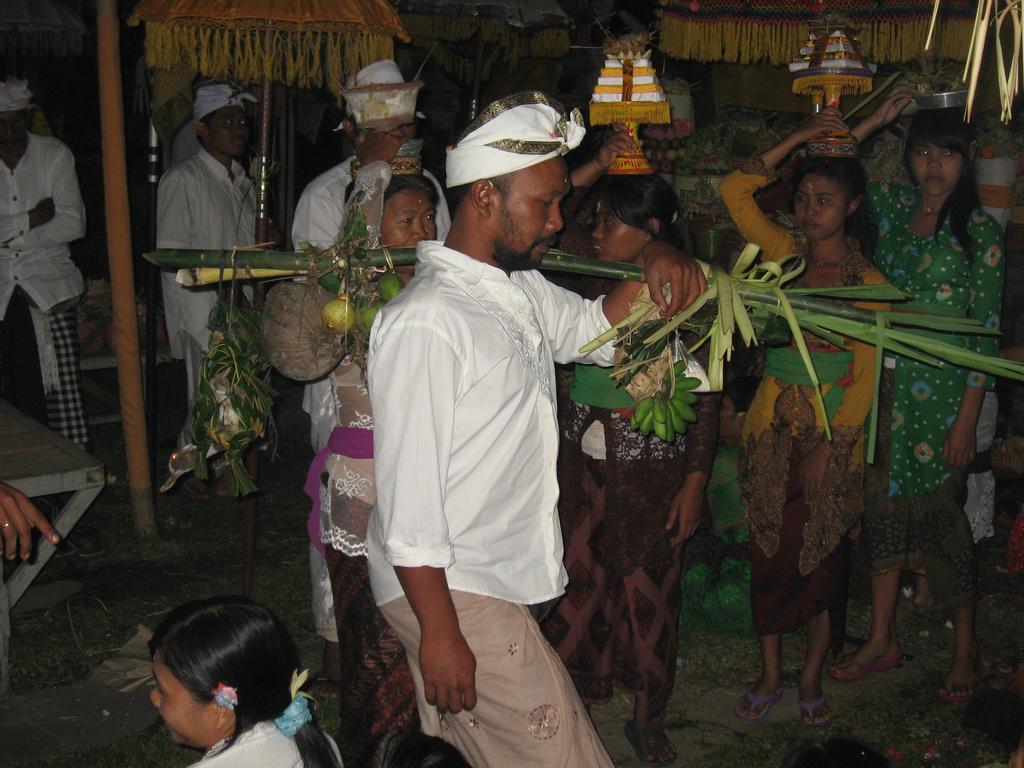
(206, 201)
(41, 212)
(465, 537)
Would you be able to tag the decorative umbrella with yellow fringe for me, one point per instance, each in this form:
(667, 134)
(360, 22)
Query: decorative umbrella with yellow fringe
(307, 43)
(770, 30)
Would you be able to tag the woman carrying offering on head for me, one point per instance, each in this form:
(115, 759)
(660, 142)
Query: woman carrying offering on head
(802, 491)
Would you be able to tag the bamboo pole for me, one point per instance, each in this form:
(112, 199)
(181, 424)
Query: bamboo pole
(119, 252)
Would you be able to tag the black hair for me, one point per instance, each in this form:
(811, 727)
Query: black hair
(635, 200)
(945, 129)
(240, 643)
(406, 749)
(457, 194)
(837, 752)
(405, 183)
(849, 174)
(741, 390)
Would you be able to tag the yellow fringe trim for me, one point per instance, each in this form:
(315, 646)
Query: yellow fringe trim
(745, 42)
(547, 42)
(304, 59)
(607, 112)
(848, 83)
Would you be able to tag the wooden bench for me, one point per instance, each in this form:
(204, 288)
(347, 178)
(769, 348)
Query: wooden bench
(39, 462)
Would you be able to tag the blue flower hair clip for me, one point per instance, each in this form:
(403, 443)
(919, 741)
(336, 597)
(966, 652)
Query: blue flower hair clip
(297, 713)
(225, 696)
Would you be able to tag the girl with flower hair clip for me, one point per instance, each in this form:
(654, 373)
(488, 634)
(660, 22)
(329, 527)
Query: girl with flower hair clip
(227, 682)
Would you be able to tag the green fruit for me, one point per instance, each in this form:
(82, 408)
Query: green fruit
(643, 408)
(647, 424)
(660, 410)
(339, 314)
(684, 396)
(368, 314)
(676, 416)
(388, 286)
(661, 430)
(687, 412)
(689, 383)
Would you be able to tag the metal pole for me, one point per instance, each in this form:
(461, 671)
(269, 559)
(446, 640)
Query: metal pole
(150, 292)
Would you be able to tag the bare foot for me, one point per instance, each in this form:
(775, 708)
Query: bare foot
(650, 743)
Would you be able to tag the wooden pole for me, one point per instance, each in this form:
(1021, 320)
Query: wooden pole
(119, 253)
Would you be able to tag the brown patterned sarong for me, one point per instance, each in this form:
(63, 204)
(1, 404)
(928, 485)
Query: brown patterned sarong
(618, 621)
(928, 534)
(377, 694)
(781, 598)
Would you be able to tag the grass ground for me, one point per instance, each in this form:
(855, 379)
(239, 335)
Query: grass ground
(198, 553)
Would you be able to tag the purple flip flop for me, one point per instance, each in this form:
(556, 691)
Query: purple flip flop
(807, 708)
(768, 701)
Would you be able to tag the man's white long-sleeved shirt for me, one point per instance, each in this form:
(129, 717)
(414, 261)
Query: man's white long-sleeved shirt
(39, 260)
(200, 206)
(462, 383)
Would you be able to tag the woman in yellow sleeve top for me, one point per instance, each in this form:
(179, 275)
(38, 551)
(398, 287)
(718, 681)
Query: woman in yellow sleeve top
(801, 492)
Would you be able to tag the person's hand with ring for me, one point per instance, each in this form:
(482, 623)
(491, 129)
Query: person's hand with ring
(18, 516)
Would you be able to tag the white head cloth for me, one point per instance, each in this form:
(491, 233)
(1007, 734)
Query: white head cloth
(209, 98)
(14, 95)
(383, 72)
(368, 105)
(511, 134)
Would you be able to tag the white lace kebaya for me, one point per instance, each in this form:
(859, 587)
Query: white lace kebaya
(461, 379)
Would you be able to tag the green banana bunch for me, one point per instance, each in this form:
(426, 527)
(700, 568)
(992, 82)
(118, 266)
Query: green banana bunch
(666, 416)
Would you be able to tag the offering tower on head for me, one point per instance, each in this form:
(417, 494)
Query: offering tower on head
(830, 65)
(628, 92)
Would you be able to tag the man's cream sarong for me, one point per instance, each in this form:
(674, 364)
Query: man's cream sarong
(528, 712)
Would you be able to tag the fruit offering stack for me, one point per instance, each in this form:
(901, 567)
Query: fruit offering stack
(664, 143)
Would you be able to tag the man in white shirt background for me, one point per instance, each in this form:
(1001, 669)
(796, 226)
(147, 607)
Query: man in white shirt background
(206, 201)
(41, 212)
(465, 537)
(377, 133)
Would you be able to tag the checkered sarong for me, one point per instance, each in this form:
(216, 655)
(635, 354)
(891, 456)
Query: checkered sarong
(65, 410)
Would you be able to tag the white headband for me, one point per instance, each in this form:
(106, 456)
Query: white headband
(511, 134)
(14, 95)
(210, 98)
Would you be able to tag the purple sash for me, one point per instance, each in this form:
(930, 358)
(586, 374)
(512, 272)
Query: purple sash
(354, 442)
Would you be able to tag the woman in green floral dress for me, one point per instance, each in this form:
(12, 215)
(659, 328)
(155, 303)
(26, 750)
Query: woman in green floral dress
(937, 245)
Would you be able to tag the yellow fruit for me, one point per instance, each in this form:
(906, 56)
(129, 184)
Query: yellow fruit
(339, 314)
(388, 286)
